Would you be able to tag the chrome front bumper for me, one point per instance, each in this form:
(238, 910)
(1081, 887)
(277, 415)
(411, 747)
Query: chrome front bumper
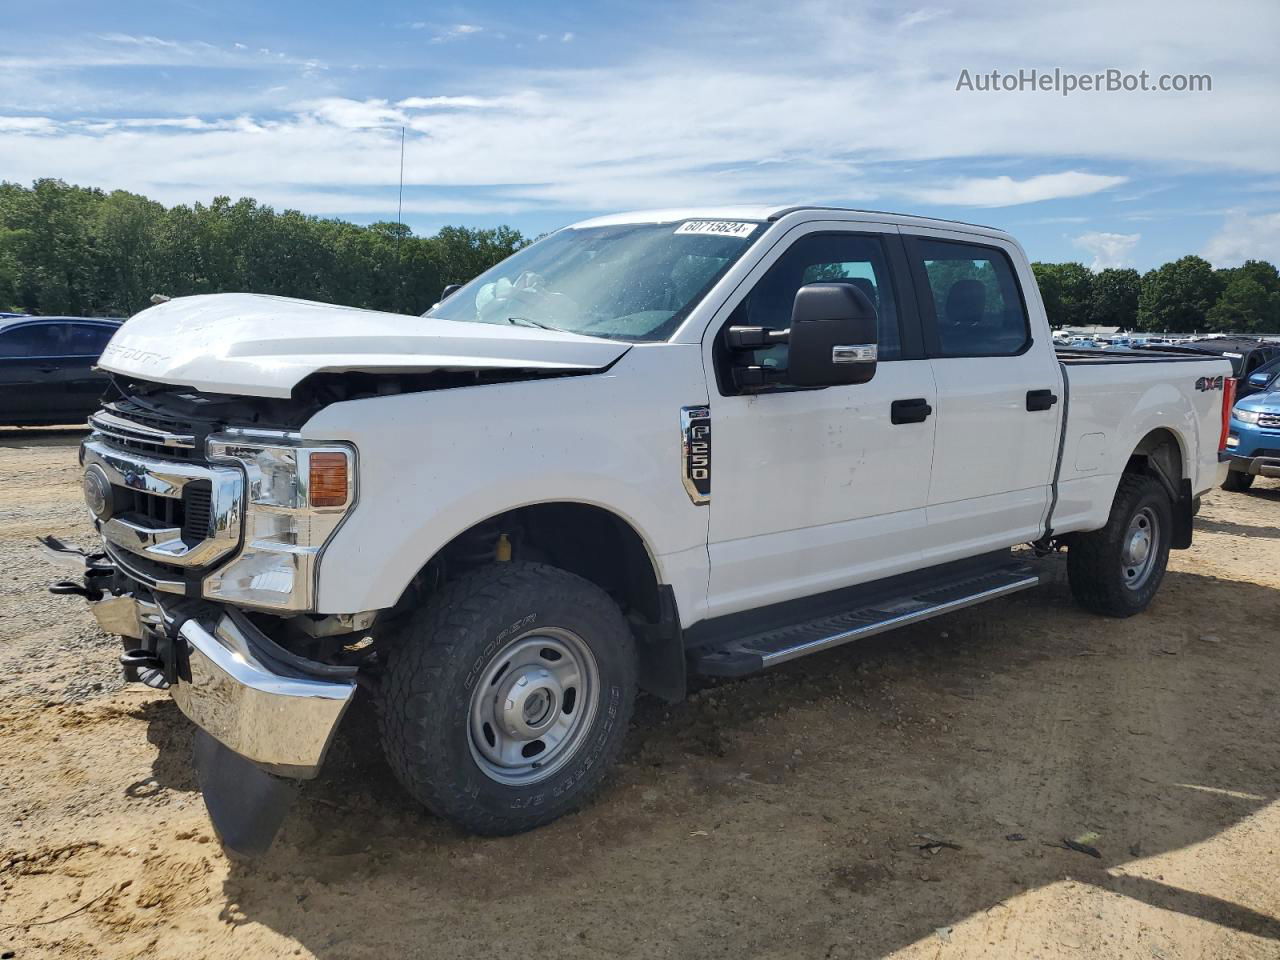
(270, 714)
(284, 723)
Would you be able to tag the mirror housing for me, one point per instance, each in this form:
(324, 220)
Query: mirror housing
(449, 291)
(833, 335)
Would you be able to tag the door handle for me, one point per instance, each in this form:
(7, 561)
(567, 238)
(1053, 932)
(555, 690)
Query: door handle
(915, 410)
(1041, 399)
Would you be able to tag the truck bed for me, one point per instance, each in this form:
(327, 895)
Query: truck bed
(1079, 357)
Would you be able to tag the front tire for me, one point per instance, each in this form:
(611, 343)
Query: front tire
(1116, 571)
(1237, 481)
(506, 701)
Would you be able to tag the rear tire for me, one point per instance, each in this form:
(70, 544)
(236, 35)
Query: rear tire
(1116, 571)
(1237, 481)
(506, 700)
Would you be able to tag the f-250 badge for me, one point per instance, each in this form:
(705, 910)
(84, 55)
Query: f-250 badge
(1209, 383)
(695, 448)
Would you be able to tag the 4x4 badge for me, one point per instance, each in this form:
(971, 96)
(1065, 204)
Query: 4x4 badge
(1209, 383)
(695, 450)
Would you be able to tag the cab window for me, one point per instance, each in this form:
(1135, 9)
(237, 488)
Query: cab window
(856, 258)
(977, 304)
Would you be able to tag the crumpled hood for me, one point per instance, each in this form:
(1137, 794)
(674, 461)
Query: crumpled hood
(260, 346)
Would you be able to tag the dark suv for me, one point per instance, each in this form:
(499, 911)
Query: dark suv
(47, 368)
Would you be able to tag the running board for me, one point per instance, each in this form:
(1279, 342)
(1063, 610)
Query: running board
(758, 651)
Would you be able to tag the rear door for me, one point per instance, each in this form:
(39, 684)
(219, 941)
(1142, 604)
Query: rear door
(999, 393)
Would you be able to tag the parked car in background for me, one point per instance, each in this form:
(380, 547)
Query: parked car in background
(1263, 380)
(1253, 440)
(48, 368)
(1247, 354)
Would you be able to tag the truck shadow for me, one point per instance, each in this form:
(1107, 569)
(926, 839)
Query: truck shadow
(793, 813)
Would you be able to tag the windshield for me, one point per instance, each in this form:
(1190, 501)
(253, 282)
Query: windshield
(626, 282)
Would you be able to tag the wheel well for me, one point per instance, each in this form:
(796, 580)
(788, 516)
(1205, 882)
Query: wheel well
(1160, 455)
(598, 546)
(592, 542)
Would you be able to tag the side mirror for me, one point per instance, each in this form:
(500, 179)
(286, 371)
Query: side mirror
(833, 337)
(449, 291)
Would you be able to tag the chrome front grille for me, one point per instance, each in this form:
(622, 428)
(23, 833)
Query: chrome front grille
(128, 426)
(1269, 420)
(164, 516)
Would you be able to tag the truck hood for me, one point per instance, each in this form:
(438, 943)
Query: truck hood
(260, 346)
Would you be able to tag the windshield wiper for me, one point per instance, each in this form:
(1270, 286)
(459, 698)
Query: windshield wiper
(526, 322)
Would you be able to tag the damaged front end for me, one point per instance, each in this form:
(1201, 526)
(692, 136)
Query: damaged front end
(211, 537)
(266, 715)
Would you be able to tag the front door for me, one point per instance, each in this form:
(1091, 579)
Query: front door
(816, 489)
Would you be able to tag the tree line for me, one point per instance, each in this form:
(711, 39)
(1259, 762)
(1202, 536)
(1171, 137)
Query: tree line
(76, 251)
(84, 252)
(1183, 296)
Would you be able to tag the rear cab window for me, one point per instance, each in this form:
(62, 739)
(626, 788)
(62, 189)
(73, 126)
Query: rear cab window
(970, 299)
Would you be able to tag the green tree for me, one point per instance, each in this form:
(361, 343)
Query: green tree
(68, 249)
(1115, 298)
(1177, 296)
(1067, 292)
(1250, 302)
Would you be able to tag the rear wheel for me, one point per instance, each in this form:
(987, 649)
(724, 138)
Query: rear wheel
(1237, 481)
(1117, 570)
(506, 701)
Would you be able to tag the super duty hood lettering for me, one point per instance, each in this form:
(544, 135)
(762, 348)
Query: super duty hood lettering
(253, 345)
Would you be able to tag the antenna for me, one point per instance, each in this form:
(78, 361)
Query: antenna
(400, 202)
(400, 225)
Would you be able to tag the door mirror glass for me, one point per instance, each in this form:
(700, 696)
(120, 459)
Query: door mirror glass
(833, 335)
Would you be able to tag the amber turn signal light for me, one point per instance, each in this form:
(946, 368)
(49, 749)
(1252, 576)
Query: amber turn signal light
(328, 479)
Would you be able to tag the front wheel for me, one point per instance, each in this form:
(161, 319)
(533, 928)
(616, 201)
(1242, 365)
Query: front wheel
(1117, 570)
(1237, 481)
(506, 701)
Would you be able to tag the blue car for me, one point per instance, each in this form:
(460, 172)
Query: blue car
(1253, 440)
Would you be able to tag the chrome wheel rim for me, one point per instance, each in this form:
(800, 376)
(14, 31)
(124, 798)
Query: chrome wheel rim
(1140, 549)
(533, 706)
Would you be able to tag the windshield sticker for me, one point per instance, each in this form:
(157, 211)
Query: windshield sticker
(717, 228)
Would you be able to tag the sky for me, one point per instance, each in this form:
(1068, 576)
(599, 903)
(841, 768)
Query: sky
(537, 114)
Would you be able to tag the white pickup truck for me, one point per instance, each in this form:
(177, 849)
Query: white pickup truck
(648, 446)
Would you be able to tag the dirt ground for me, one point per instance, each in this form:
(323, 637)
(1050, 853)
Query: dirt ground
(779, 816)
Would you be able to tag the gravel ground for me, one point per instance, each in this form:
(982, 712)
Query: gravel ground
(786, 815)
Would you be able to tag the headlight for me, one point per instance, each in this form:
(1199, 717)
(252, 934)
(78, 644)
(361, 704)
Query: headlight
(1246, 416)
(298, 492)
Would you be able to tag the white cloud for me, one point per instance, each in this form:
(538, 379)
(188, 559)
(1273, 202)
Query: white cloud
(1245, 236)
(456, 32)
(1108, 249)
(461, 103)
(1006, 191)
(923, 15)
(27, 125)
(567, 38)
(354, 114)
